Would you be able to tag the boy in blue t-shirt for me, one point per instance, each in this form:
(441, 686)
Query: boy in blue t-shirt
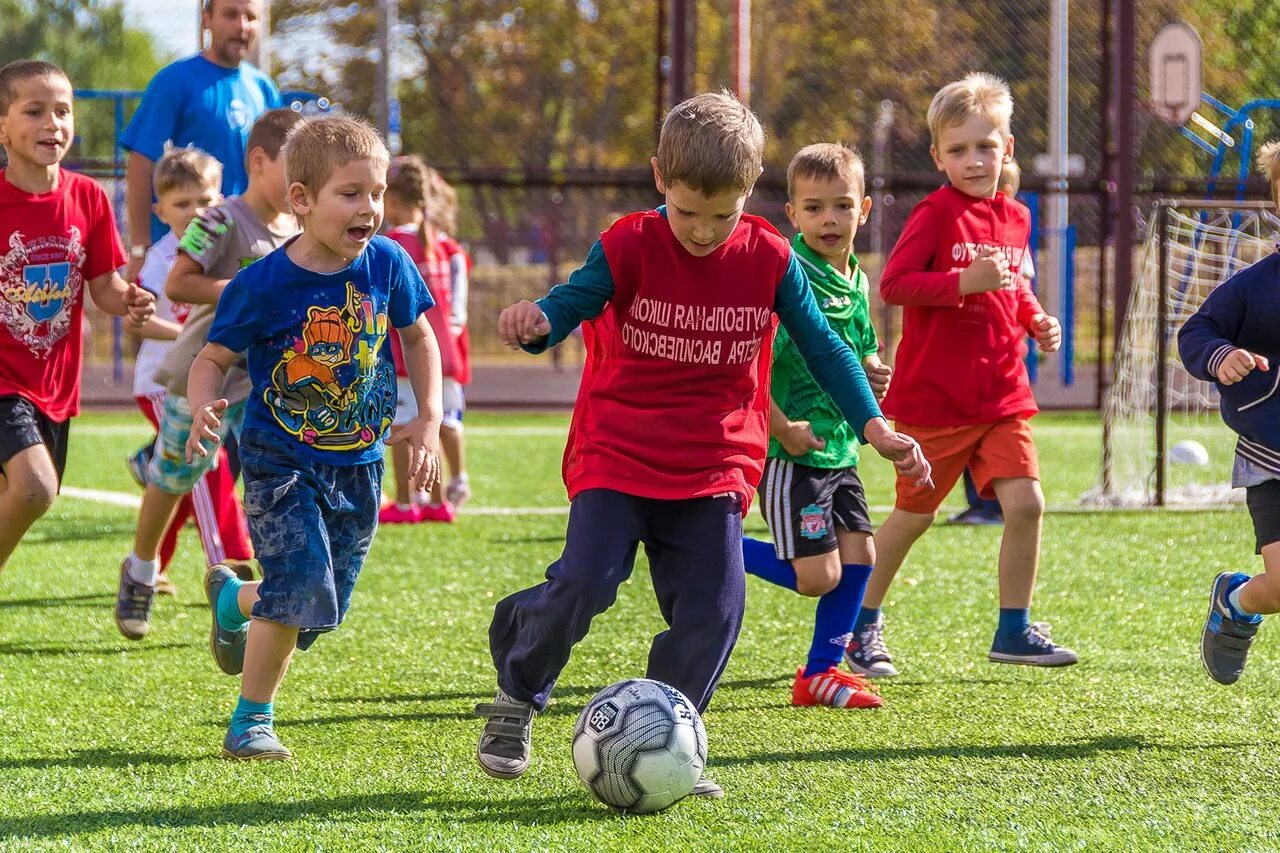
(324, 394)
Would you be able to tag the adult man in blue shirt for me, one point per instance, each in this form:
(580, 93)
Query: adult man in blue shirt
(209, 100)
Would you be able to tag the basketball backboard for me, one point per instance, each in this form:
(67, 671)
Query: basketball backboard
(1176, 73)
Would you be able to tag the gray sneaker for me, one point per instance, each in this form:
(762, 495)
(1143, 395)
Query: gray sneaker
(707, 788)
(227, 646)
(504, 744)
(867, 655)
(133, 605)
(259, 743)
(1225, 642)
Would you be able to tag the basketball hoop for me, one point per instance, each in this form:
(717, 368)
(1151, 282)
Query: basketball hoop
(1176, 73)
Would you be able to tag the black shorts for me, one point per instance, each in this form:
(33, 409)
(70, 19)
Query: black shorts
(22, 425)
(803, 506)
(1263, 501)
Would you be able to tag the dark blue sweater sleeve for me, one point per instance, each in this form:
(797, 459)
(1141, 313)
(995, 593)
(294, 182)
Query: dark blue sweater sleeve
(582, 297)
(833, 364)
(1208, 336)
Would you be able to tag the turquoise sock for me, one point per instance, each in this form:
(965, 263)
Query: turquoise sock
(249, 714)
(229, 616)
(1014, 620)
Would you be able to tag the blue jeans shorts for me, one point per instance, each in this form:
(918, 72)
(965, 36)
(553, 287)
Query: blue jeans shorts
(311, 526)
(170, 472)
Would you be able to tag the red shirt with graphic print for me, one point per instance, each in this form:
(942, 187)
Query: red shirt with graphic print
(962, 359)
(50, 245)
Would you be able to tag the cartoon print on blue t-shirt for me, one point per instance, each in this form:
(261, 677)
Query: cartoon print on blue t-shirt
(330, 389)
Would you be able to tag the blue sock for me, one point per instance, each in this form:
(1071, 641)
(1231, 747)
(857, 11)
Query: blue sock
(759, 559)
(1014, 620)
(229, 616)
(866, 616)
(249, 714)
(834, 618)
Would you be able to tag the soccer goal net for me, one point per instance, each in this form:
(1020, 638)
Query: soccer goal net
(1156, 417)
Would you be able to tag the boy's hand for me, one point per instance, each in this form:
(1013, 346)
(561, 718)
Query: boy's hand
(522, 323)
(878, 374)
(989, 271)
(902, 450)
(797, 438)
(140, 304)
(423, 437)
(204, 424)
(1047, 331)
(1239, 364)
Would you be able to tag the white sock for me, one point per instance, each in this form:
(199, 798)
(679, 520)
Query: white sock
(1233, 598)
(143, 571)
(404, 507)
(458, 478)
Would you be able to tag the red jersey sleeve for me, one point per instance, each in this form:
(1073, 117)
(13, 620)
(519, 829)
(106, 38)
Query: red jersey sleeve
(104, 250)
(908, 277)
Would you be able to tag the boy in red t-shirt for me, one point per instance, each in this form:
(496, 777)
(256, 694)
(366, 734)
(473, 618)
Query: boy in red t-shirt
(58, 237)
(670, 429)
(960, 384)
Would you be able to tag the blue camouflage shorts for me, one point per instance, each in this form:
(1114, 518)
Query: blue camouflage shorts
(311, 526)
(170, 472)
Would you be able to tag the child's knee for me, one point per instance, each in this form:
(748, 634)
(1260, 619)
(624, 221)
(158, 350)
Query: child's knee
(35, 498)
(1023, 505)
(818, 575)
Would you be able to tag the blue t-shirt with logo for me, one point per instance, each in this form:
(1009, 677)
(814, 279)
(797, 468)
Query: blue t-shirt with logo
(318, 350)
(197, 102)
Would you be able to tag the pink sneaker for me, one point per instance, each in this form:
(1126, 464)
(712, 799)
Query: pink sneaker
(440, 512)
(392, 514)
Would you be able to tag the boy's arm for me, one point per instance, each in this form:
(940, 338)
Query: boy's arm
(155, 329)
(115, 296)
(907, 278)
(200, 249)
(1206, 340)
(582, 297)
(422, 434)
(188, 283)
(208, 372)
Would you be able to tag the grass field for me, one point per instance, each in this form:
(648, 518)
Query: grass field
(109, 743)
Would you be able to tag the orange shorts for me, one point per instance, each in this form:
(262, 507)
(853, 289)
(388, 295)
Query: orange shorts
(1001, 450)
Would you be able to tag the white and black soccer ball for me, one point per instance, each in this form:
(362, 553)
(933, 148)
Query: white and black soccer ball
(639, 746)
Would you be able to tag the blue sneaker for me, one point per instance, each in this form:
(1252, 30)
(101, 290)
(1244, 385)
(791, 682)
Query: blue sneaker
(1030, 647)
(227, 646)
(977, 516)
(1224, 645)
(139, 464)
(258, 743)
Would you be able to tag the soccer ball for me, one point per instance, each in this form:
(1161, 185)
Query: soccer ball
(639, 746)
(1189, 453)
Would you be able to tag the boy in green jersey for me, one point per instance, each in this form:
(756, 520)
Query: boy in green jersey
(811, 496)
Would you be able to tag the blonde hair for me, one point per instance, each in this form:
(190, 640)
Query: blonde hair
(977, 94)
(1010, 178)
(186, 167)
(317, 146)
(711, 143)
(827, 161)
(1269, 163)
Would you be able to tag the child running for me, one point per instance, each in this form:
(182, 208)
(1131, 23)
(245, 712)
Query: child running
(185, 182)
(444, 216)
(811, 496)
(961, 386)
(58, 238)
(680, 303)
(1234, 342)
(313, 317)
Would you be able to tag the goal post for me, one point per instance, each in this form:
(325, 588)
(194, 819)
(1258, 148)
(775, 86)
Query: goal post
(1153, 404)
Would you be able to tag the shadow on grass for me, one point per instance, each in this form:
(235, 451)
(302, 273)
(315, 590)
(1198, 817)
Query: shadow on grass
(562, 692)
(95, 599)
(527, 540)
(73, 530)
(1069, 751)
(361, 809)
(26, 650)
(85, 758)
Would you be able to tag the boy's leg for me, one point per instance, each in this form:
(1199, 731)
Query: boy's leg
(453, 444)
(251, 735)
(27, 490)
(1023, 504)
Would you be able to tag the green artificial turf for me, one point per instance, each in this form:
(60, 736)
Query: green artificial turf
(113, 744)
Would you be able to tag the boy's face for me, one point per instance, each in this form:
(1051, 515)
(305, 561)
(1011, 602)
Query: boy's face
(177, 206)
(267, 176)
(972, 155)
(347, 211)
(38, 128)
(701, 223)
(828, 212)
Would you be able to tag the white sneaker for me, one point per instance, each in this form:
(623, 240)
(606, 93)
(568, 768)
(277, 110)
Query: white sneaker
(458, 490)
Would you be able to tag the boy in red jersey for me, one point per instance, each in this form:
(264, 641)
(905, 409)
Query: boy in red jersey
(670, 428)
(960, 385)
(57, 238)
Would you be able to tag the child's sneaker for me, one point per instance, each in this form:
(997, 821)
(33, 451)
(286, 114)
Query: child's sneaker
(977, 516)
(1224, 645)
(165, 585)
(504, 744)
(258, 743)
(458, 490)
(393, 514)
(139, 463)
(437, 512)
(834, 689)
(226, 646)
(1030, 647)
(867, 655)
(133, 605)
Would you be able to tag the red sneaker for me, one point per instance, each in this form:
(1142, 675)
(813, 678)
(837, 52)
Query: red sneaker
(392, 514)
(440, 512)
(834, 689)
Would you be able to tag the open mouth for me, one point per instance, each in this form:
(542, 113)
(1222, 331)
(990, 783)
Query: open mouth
(360, 233)
(830, 239)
